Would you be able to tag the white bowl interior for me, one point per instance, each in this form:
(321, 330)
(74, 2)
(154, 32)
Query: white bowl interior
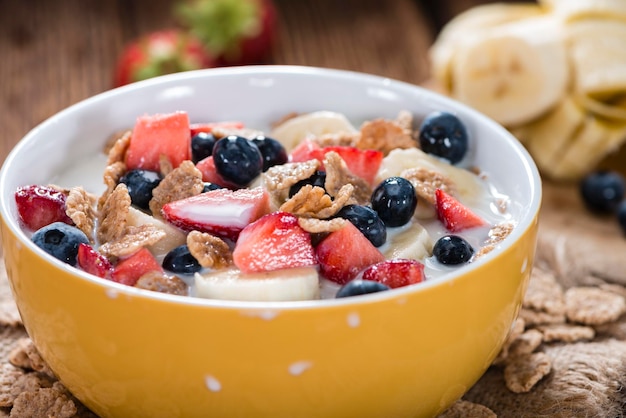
(257, 96)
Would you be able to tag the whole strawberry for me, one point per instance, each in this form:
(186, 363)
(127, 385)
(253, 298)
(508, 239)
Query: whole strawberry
(236, 32)
(158, 53)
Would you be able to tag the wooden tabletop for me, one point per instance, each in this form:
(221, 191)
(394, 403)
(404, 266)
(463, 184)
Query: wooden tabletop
(58, 52)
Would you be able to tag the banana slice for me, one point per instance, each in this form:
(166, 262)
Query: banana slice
(293, 131)
(412, 242)
(569, 10)
(467, 184)
(598, 52)
(548, 137)
(468, 24)
(613, 108)
(515, 72)
(300, 283)
(173, 237)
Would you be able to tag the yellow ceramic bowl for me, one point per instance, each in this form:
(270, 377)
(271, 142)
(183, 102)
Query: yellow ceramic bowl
(126, 352)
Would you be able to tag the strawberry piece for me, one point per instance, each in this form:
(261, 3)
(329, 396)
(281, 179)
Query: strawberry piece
(275, 241)
(93, 262)
(344, 253)
(304, 151)
(128, 270)
(156, 135)
(39, 206)
(222, 212)
(395, 273)
(361, 163)
(158, 53)
(208, 127)
(454, 215)
(210, 174)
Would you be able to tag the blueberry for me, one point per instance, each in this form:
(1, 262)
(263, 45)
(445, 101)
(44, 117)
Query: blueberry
(394, 200)
(360, 287)
(317, 179)
(210, 186)
(140, 184)
(367, 221)
(602, 191)
(272, 151)
(60, 240)
(180, 260)
(452, 250)
(202, 146)
(237, 159)
(444, 135)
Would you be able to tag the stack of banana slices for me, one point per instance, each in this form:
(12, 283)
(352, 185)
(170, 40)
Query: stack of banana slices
(552, 72)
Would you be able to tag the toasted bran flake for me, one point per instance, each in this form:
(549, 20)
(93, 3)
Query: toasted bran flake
(9, 376)
(385, 135)
(280, 177)
(182, 182)
(544, 293)
(319, 226)
(165, 165)
(79, 207)
(313, 202)
(111, 177)
(345, 139)
(44, 402)
(426, 182)
(523, 372)
(117, 152)
(495, 236)
(112, 217)
(159, 282)
(405, 120)
(466, 409)
(567, 333)
(209, 250)
(338, 176)
(526, 343)
(593, 306)
(516, 330)
(134, 238)
(26, 356)
(533, 318)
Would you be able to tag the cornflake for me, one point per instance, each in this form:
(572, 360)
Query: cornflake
(313, 202)
(338, 176)
(182, 182)
(134, 238)
(117, 152)
(112, 175)
(209, 250)
(522, 373)
(426, 182)
(526, 343)
(566, 332)
(385, 135)
(320, 226)
(79, 207)
(593, 306)
(112, 218)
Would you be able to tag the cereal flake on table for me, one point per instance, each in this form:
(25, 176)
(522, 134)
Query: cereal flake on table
(523, 372)
(593, 306)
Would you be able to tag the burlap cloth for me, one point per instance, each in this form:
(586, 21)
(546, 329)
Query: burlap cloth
(565, 357)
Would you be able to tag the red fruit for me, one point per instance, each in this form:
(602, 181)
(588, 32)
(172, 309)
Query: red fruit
(159, 53)
(344, 253)
(196, 128)
(395, 273)
(275, 241)
(128, 270)
(304, 151)
(210, 174)
(39, 206)
(221, 212)
(362, 163)
(93, 262)
(454, 215)
(156, 135)
(238, 32)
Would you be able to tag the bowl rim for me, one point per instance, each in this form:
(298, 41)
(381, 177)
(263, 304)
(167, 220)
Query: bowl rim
(113, 288)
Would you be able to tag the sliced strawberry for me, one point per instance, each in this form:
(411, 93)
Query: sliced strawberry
(395, 273)
(221, 212)
(306, 150)
(344, 253)
(454, 215)
(196, 128)
(362, 163)
(156, 135)
(210, 174)
(93, 262)
(39, 206)
(128, 270)
(275, 241)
